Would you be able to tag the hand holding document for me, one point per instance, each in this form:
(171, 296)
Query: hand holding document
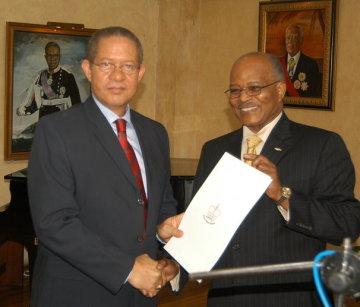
(215, 213)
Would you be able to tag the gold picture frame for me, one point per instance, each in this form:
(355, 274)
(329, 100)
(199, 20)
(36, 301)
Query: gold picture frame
(25, 60)
(312, 84)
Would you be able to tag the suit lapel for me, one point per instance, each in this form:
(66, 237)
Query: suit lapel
(298, 67)
(277, 145)
(279, 142)
(145, 146)
(107, 139)
(234, 147)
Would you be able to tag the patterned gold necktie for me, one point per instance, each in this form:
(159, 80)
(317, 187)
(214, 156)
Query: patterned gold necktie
(292, 64)
(252, 142)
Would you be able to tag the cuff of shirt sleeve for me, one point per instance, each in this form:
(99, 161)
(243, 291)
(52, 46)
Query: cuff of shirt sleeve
(284, 213)
(161, 241)
(175, 282)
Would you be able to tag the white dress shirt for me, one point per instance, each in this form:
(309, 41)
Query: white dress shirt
(263, 134)
(134, 142)
(296, 57)
(130, 133)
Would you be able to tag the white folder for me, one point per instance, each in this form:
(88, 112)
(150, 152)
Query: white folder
(215, 213)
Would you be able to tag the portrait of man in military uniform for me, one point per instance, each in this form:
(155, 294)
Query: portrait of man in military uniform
(46, 78)
(53, 89)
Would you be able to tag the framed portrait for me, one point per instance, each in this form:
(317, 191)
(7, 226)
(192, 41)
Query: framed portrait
(302, 35)
(43, 75)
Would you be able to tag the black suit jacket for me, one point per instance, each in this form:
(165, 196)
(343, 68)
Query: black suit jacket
(315, 164)
(307, 76)
(86, 210)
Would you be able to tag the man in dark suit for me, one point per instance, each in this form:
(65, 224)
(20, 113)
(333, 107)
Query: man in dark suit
(309, 202)
(98, 216)
(302, 75)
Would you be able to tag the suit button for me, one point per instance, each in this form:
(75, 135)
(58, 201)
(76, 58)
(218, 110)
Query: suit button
(140, 238)
(140, 201)
(235, 247)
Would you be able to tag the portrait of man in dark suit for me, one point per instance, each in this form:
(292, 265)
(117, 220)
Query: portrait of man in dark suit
(309, 202)
(303, 78)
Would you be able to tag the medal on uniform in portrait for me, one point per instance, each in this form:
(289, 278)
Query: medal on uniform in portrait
(49, 81)
(62, 91)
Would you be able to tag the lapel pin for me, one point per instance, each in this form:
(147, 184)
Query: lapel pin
(278, 149)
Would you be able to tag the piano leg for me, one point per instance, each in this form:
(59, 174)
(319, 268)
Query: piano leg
(16, 259)
(12, 254)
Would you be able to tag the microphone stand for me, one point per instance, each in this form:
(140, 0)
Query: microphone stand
(254, 270)
(340, 272)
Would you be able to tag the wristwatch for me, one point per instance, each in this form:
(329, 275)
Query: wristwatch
(285, 194)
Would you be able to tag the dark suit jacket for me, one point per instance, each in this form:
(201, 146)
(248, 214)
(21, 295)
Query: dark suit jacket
(307, 76)
(86, 210)
(315, 164)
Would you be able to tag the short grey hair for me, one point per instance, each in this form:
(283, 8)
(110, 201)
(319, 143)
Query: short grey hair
(296, 26)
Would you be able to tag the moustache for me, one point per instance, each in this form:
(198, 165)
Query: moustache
(247, 104)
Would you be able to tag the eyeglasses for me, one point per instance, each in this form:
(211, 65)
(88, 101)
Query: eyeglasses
(254, 90)
(127, 69)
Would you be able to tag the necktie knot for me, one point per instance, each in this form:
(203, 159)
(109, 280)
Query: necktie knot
(252, 142)
(120, 125)
(292, 64)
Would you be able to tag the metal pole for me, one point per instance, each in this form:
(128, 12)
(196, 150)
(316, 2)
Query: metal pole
(254, 270)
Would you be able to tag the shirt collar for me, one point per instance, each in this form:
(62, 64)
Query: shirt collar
(55, 70)
(265, 131)
(296, 57)
(110, 115)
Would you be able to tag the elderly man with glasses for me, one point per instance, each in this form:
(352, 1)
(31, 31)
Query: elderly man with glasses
(309, 202)
(302, 75)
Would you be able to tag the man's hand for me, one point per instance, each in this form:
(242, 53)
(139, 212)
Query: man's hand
(264, 165)
(145, 276)
(169, 268)
(20, 111)
(170, 228)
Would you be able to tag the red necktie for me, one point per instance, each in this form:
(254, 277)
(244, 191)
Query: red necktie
(130, 155)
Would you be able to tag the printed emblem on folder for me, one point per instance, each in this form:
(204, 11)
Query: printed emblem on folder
(212, 214)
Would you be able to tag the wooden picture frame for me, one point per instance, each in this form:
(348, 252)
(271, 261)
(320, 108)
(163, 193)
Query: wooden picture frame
(312, 25)
(27, 73)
